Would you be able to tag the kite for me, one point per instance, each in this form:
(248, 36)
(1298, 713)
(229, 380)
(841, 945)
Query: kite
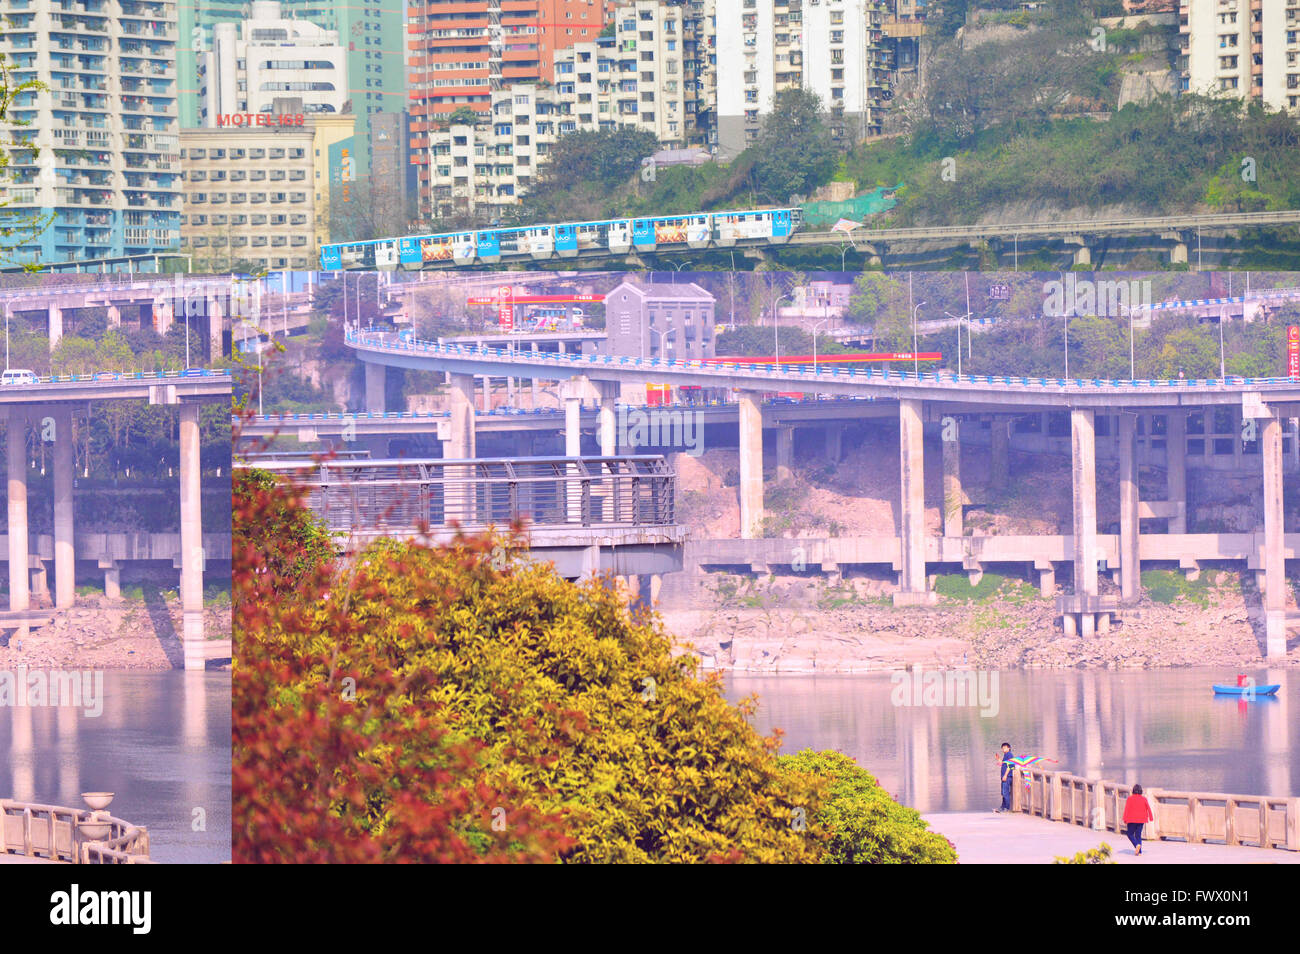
(1023, 762)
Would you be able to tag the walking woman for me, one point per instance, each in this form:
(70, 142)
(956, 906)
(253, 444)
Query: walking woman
(1137, 812)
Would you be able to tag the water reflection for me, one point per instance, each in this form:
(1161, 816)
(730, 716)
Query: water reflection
(162, 744)
(1162, 728)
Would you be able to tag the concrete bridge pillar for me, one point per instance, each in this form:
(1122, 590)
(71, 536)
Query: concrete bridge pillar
(460, 405)
(55, 325)
(572, 395)
(114, 315)
(216, 325)
(1274, 554)
(751, 464)
(1129, 523)
(487, 394)
(191, 539)
(1176, 455)
(19, 593)
(1082, 254)
(1178, 252)
(835, 443)
(1046, 580)
(784, 452)
(64, 558)
(112, 578)
(911, 440)
(376, 377)
(1084, 477)
(1000, 452)
(607, 422)
(953, 495)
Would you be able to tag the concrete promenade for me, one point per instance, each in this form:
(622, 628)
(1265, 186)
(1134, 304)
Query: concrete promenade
(986, 838)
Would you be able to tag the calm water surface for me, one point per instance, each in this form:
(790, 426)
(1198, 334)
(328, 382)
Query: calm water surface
(162, 744)
(1162, 728)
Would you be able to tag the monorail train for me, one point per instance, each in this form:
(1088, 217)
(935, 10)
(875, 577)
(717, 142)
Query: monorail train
(620, 236)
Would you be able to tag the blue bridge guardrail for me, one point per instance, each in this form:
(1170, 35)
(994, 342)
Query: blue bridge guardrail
(797, 373)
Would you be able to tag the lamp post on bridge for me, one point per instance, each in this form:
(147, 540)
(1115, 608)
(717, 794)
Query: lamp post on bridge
(916, 362)
(959, 319)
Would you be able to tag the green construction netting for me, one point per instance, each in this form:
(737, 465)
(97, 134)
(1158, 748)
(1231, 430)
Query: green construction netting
(858, 209)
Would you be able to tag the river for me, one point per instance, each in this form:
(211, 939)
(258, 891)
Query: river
(161, 744)
(1163, 728)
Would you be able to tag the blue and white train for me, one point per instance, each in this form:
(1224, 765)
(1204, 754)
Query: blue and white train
(535, 242)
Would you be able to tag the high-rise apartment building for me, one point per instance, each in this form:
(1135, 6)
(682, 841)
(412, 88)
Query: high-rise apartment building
(373, 34)
(1245, 48)
(830, 47)
(462, 50)
(107, 169)
(268, 56)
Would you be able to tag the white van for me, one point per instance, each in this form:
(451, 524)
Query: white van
(18, 376)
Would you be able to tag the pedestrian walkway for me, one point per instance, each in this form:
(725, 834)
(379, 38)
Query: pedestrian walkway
(984, 838)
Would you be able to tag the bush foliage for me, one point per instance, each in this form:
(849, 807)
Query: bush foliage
(865, 825)
(422, 703)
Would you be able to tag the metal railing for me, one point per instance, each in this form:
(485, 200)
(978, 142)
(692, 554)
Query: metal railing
(552, 492)
(55, 833)
(807, 374)
(1194, 817)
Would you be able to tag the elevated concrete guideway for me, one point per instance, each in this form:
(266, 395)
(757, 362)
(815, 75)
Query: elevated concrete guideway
(921, 398)
(48, 407)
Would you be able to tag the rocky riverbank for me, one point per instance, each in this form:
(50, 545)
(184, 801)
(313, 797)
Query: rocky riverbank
(802, 625)
(98, 633)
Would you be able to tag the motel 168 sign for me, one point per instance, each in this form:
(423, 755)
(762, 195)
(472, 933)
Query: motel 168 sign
(1293, 352)
(261, 119)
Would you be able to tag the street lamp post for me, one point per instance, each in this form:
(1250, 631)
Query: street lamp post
(1223, 374)
(814, 338)
(959, 319)
(916, 362)
(776, 327)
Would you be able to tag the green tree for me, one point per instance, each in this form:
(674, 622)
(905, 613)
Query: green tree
(583, 172)
(795, 152)
(17, 228)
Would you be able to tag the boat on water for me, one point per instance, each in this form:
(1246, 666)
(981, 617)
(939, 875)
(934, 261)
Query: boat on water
(1247, 690)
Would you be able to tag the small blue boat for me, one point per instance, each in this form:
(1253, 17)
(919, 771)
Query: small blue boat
(1246, 690)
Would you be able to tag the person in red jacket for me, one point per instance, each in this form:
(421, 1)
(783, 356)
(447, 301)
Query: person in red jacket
(1137, 812)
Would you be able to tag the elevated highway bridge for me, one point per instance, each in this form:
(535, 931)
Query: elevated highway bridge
(948, 403)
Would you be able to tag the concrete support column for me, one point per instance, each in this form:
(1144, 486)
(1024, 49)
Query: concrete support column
(911, 442)
(460, 406)
(953, 495)
(1129, 525)
(572, 423)
(1047, 581)
(56, 325)
(112, 580)
(607, 424)
(375, 379)
(784, 452)
(533, 381)
(19, 593)
(751, 465)
(191, 539)
(64, 558)
(835, 443)
(487, 393)
(114, 315)
(216, 325)
(1000, 452)
(1176, 454)
(1084, 472)
(1274, 555)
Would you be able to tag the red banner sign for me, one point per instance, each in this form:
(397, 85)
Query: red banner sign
(1293, 352)
(538, 299)
(833, 358)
